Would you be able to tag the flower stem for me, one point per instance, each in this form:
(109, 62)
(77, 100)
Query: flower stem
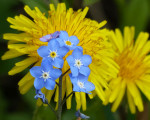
(50, 106)
(67, 98)
(52, 109)
(59, 110)
(65, 72)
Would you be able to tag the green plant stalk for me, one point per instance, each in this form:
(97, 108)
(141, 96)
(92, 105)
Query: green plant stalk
(59, 110)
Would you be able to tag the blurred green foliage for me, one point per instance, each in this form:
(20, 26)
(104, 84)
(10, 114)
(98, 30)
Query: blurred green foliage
(134, 13)
(131, 12)
(37, 3)
(5, 11)
(89, 2)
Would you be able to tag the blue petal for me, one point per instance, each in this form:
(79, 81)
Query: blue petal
(43, 98)
(55, 34)
(37, 96)
(84, 70)
(38, 83)
(58, 62)
(77, 114)
(86, 60)
(79, 47)
(38, 91)
(73, 79)
(82, 78)
(62, 51)
(46, 65)
(89, 86)
(74, 71)
(70, 60)
(83, 90)
(71, 47)
(76, 47)
(64, 35)
(74, 40)
(46, 38)
(81, 115)
(53, 45)
(50, 84)
(36, 71)
(76, 88)
(77, 53)
(84, 116)
(55, 73)
(43, 51)
(61, 42)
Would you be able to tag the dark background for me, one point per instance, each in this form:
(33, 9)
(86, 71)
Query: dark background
(118, 13)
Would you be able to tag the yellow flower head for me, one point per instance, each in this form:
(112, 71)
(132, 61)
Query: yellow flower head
(91, 37)
(134, 74)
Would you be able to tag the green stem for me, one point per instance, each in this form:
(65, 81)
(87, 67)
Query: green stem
(59, 110)
(50, 106)
(52, 109)
(67, 98)
(65, 72)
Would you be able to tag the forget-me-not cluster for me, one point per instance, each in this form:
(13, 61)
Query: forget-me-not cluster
(59, 44)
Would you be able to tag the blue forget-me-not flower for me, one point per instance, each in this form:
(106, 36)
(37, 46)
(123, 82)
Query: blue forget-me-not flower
(45, 75)
(78, 114)
(81, 84)
(40, 95)
(70, 42)
(54, 53)
(49, 37)
(79, 63)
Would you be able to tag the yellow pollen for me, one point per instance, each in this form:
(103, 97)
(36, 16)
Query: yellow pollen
(68, 43)
(131, 66)
(53, 54)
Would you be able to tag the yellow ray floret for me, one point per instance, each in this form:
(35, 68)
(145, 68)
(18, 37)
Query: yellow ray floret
(134, 74)
(92, 38)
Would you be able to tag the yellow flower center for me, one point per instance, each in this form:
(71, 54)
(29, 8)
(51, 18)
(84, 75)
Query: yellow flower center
(53, 54)
(68, 43)
(131, 65)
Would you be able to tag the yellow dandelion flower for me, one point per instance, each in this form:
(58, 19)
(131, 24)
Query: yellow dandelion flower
(134, 74)
(92, 38)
